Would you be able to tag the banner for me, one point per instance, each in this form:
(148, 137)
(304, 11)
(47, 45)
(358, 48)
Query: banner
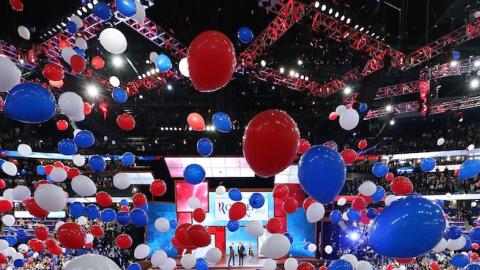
(223, 204)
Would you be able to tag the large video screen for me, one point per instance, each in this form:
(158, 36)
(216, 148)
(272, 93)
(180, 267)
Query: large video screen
(184, 190)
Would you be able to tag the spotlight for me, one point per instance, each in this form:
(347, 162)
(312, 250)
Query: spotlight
(95, 2)
(368, 31)
(140, 96)
(337, 14)
(317, 4)
(139, 77)
(373, 34)
(306, 78)
(330, 11)
(471, 147)
(282, 70)
(263, 63)
(90, 5)
(84, 9)
(147, 61)
(63, 24)
(291, 72)
(117, 61)
(476, 63)
(453, 63)
(161, 128)
(474, 83)
(144, 75)
(302, 77)
(342, 18)
(324, 7)
(392, 122)
(169, 87)
(348, 20)
(153, 71)
(388, 108)
(92, 90)
(149, 73)
(299, 62)
(79, 12)
(356, 26)
(59, 27)
(297, 75)
(347, 90)
(354, 236)
(361, 29)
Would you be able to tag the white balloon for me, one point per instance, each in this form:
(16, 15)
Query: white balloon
(162, 225)
(389, 199)
(21, 193)
(83, 186)
(441, 246)
(17, 256)
(328, 249)
(113, 41)
(89, 238)
(67, 54)
(60, 223)
(440, 141)
(35, 255)
(9, 168)
(290, 264)
(349, 119)
(352, 259)
(8, 220)
(50, 198)
(91, 262)
(312, 247)
(76, 131)
(345, 216)
(169, 264)
(24, 150)
(58, 174)
(340, 109)
(315, 212)
(10, 252)
(81, 43)
(255, 228)
(276, 246)
(78, 160)
(82, 220)
(114, 81)
(341, 201)
(121, 181)
(23, 32)
(183, 67)
(3, 244)
(364, 265)
(188, 261)
(10, 74)
(77, 20)
(141, 251)
(8, 194)
(456, 244)
(269, 264)
(220, 190)
(158, 258)
(140, 14)
(213, 255)
(194, 203)
(70, 104)
(367, 188)
(23, 248)
(153, 56)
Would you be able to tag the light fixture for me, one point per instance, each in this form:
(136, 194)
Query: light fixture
(347, 90)
(144, 75)
(453, 63)
(140, 96)
(59, 27)
(79, 12)
(302, 77)
(282, 70)
(92, 90)
(388, 108)
(291, 72)
(306, 78)
(317, 4)
(368, 31)
(299, 62)
(373, 34)
(63, 24)
(147, 61)
(297, 74)
(117, 61)
(324, 7)
(361, 29)
(476, 63)
(84, 9)
(90, 5)
(348, 20)
(392, 122)
(330, 11)
(474, 83)
(149, 73)
(153, 71)
(342, 18)
(356, 26)
(263, 63)
(337, 14)
(139, 77)
(169, 87)
(470, 147)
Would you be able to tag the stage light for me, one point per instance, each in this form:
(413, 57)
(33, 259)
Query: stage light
(139, 77)
(291, 72)
(263, 63)
(453, 63)
(92, 90)
(90, 5)
(50, 32)
(140, 96)
(356, 26)
(368, 31)
(474, 83)
(302, 77)
(282, 70)
(324, 7)
(114, 81)
(373, 34)
(354, 236)
(317, 4)
(337, 14)
(471, 147)
(330, 11)
(161, 128)
(149, 73)
(59, 27)
(84, 9)
(144, 75)
(392, 122)
(388, 108)
(297, 75)
(299, 62)
(147, 61)
(169, 87)
(95, 2)
(63, 24)
(153, 70)
(476, 63)
(306, 78)
(460, 120)
(117, 61)
(473, 204)
(342, 18)
(347, 90)
(361, 29)
(348, 20)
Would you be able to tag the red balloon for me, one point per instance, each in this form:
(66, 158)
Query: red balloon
(41, 182)
(125, 122)
(390, 267)
(404, 260)
(359, 203)
(36, 245)
(56, 84)
(97, 231)
(181, 234)
(237, 211)
(41, 233)
(98, 62)
(475, 246)
(401, 185)
(307, 202)
(72, 172)
(53, 72)
(58, 164)
(71, 235)
(199, 236)
(198, 215)
(211, 61)
(362, 144)
(62, 125)
(104, 199)
(290, 205)
(434, 265)
(474, 256)
(139, 199)
(158, 187)
(349, 156)
(87, 108)
(124, 241)
(323, 267)
(88, 245)
(367, 199)
(305, 266)
(15, 162)
(55, 251)
(6, 206)
(332, 116)
(363, 217)
(16, 5)
(77, 63)
(48, 169)
(50, 243)
(304, 146)
(196, 122)
(274, 225)
(389, 177)
(124, 208)
(3, 185)
(270, 142)
(281, 191)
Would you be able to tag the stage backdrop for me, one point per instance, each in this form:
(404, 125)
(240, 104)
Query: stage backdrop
(155, 239)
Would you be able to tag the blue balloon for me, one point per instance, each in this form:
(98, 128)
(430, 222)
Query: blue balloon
(139, 217)
(41, 170)
(233, 225)
(103, 11)
(123, 218)
(454, 232)
(77, 209)
(205, 147)
(119, 95)
(108, 215)
(21, 234)
(353, 215)
(473, 266)
(12, 240)
(289, 236)
(19, 263)
(67, 147)
(409, 227)
(459, 260)
(23, 172)
(11, 230)
(222, 122)
(428, 164)
(379, 194)
(201, 264)
(340, 265)
(128, 159)
(363, 107)
(332, 145)
(96, 163)
(245, 35)
(134, 266)
(30, 103)
(335, 216)
(235, 195)
(92, 211)
(72, 27)
(194, 174)
(371, 213)
(456, 55)
(440, 203)
(256, 200)
(124, 202)
(1, 162)
(468, 243)
(126, 7)
(163, 63)
(79, 52)
(380, 169)
(322, 173)
(470, 168)
(173, 224)
(84, 139)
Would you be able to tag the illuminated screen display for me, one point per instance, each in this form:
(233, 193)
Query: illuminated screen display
(157, 240)
(184, 190)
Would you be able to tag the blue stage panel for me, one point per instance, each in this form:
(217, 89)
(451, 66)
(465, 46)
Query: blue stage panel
(157, 240)
(302, 232)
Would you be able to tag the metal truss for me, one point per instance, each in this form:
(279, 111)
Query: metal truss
(451, 69)
(149, 82)
(17, 56)
(399, 89)
(396, 109)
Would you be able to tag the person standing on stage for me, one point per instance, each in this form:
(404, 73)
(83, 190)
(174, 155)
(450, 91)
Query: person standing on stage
(232, 255)
(241, 253)
(250, 250)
